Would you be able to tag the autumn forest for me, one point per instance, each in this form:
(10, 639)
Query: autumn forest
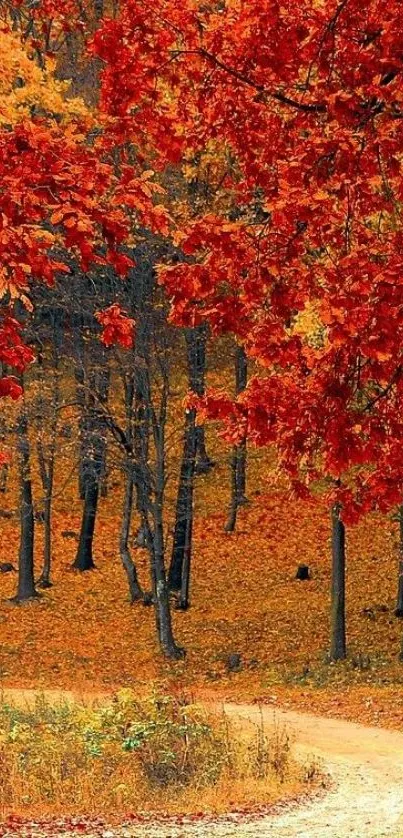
(201, 383)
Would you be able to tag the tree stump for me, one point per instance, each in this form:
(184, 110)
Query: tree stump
(303, 573)
(234, 662)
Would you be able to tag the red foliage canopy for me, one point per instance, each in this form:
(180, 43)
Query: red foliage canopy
(307, 102)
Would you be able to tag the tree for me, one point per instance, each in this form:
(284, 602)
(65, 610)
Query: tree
(146, 369)
(308, 102)
(26, 582)
(238, 458)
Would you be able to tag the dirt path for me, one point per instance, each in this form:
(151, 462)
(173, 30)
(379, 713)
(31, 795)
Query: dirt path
(366, 800)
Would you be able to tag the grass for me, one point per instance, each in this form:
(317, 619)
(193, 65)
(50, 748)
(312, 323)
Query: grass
(161, 754)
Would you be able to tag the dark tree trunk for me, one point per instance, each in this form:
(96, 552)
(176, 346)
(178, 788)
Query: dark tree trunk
(161, 592)
(79, 375)
(4, 469)
(338, 607)
(99, 9)
(84, 558)
(399, 603)
(239, 452)
(195, 460)
(151, 510)
(26, 583)
(136, 592)
(100, 382)
(141, 440)
(196, 341)
(104, 478)
(144, 439)
(94, 462)
(47, 454)
(179, 570)
(44, 580)
(151, 486)
(47, 477)
(95, 389)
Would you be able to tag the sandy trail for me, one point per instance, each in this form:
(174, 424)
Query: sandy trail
(365, 801)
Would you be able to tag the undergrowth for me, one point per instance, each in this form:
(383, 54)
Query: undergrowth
(162, 753)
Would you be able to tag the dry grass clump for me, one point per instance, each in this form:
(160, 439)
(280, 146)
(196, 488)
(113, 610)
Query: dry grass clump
(132, 755)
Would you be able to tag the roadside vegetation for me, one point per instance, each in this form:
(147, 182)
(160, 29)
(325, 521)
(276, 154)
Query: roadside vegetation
(162, 754)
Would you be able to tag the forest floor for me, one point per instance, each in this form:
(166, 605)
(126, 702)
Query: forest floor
(83, 632)
(84, 635)
(365, 766)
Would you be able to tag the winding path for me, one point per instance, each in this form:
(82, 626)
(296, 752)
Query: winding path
(365, 800)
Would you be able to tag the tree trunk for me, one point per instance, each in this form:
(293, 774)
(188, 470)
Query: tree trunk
(48, 416)
(161, 592)
(399, 603)
(4, 470)
(44, 579)
(136, 592)
(81, 401)
(93, 464)
(179, 570)
(141, 440)
(239, 452)
(99, 9)
(47, 469)
(84, 558)
(26, 583)
(151, 359)
(337, 611)
(196, 340)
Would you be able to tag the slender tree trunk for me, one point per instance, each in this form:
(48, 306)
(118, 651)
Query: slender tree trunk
(399, 603)
(4, 468)
(141, 442)
(158, 570)
(94, 461)
(194, 460)
(104, 477)
(47, 477)
(338, 608)
(161, 591)
(47, 470)
(239, 452)
(98, 381)
(196, 341)
(152, 510)
(4, 471)
(136, 592)
(26, 583)
(47, 452)
(44, 580)
(84, 558)
(233, 507)
(179, 570)
(99, 9)
(82, 425)
(101, 384)
(151, 353)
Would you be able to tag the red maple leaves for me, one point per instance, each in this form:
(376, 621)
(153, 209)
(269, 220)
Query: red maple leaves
(307, 101)
(302, 261)
(118, 328)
